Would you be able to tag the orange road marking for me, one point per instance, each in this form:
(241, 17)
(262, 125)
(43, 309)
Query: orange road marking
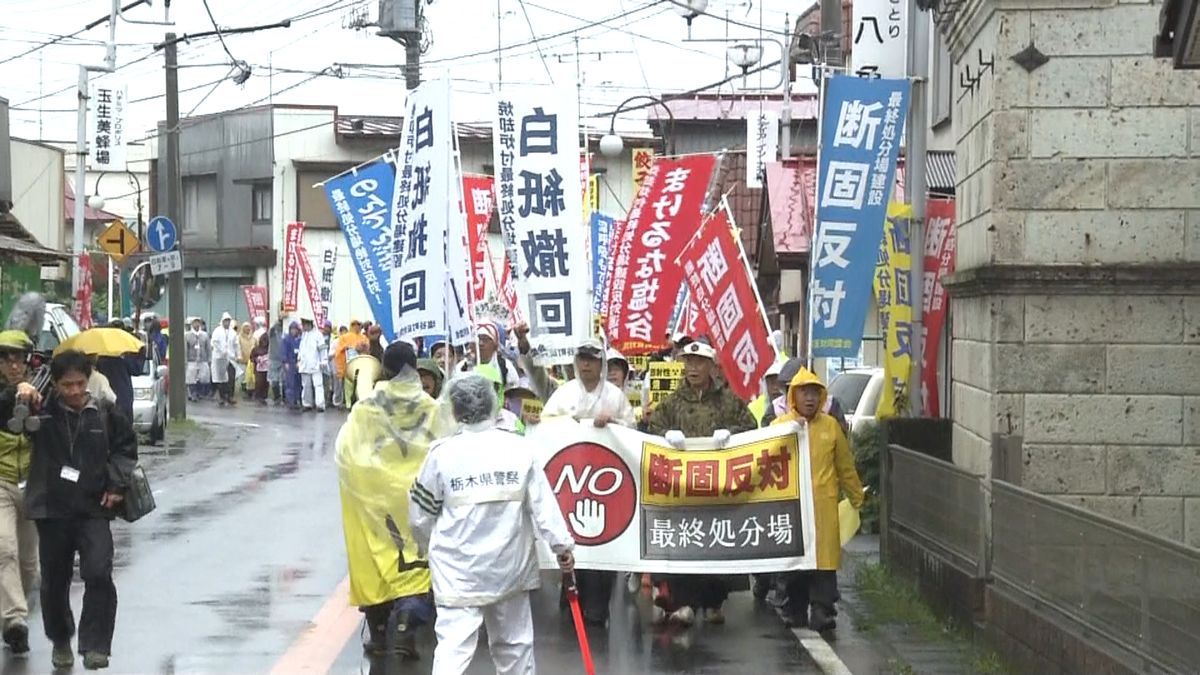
(318, 648)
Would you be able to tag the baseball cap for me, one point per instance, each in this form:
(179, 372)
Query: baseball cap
(699, 349)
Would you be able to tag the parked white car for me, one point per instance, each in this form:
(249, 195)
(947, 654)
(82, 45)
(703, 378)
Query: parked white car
(150, 400)
(858, 390)
(57, 327)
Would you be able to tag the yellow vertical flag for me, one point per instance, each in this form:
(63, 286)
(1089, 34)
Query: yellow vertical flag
(642, 159)
(593, 196)
(893, 293)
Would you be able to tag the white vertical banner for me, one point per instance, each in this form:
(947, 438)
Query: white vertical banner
(106, 126)
(328, 267)
(423, 202)
(540, 199)
(762, 145)
(458, 256)
(880, 35)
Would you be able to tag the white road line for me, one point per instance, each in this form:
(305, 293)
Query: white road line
(821, 652)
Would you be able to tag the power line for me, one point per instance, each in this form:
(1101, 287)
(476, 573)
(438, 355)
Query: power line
(533, 34)
(625, 29)
(85, 29)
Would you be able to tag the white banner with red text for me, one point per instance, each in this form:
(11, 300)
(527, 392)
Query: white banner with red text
(636, 504)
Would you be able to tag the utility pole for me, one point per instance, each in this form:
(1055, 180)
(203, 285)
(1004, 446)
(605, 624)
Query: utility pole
(177, 397)
(915, 187)
(831, 33)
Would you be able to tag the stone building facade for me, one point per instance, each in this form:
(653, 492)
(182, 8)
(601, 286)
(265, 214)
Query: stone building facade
(1076, 305)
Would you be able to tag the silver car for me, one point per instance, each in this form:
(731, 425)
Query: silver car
(150, 399)
(858, 390)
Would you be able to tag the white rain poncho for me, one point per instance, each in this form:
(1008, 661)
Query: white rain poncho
(380, 449)
(478, 503)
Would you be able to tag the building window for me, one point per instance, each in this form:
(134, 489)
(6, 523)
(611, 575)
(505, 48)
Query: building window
(260, 197)
(941, 80)
(200, 203)
(312, 206)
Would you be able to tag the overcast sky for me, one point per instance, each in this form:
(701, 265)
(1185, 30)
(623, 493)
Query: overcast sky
(642, 52)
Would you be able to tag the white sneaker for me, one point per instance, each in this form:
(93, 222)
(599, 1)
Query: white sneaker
(633, 582)
(658, 614)
(683, 616)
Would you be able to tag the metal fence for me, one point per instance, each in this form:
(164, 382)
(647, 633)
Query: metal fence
(937, 500)
(1134, 588)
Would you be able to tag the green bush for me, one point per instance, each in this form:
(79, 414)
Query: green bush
(868, 444)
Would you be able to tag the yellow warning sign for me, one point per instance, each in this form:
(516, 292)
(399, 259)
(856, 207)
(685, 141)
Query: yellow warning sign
(118, 241)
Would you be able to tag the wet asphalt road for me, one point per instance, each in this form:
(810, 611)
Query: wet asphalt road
(246, 547)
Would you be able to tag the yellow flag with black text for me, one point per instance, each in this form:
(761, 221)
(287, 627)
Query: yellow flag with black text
(893, 294)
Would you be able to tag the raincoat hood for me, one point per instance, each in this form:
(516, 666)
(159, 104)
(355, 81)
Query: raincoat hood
(431, 366)
(803, 378)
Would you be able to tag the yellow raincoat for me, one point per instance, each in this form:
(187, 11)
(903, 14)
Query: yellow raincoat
(380, 449)
(832, 468)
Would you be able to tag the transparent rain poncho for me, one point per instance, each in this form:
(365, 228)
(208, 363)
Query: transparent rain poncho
(379, 452)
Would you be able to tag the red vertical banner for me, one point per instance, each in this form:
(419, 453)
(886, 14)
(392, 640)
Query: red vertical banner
(256, 301)
(310, 280)
(293, 239)
(477, 191)
(663, 219)
(939, 261)
(509, 294)
(83, 296)
(720, 285)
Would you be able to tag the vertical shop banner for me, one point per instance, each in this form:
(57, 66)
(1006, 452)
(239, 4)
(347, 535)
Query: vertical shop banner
(106, 126)
(642, 160)
(310, 283)
(585, 171)
(939, 262)
(83, 295)
(719, 281)
(256, 301)
(362, 201)
(860, 137)
(477, 191)
(762, 145)
(893, 293)
(602, 234)
(293, 240)
(880, 35)
(644, 276)
(422, 206)
(328, 268)
(540, 198)
(740, 508)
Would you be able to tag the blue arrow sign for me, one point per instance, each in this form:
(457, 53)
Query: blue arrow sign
(161, 234)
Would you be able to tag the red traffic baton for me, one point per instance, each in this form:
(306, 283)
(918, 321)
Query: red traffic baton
(573, 599)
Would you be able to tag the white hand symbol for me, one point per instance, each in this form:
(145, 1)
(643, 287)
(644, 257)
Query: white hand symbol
(588, 518)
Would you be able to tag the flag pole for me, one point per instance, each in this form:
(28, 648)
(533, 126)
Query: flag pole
(762, 308)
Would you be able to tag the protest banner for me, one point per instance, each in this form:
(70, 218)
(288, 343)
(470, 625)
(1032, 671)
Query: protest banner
(477, 191)
(602, 232)
(634, 503)
(310, 283)
(860, 140)
(664, 216)
(328, 267)
(893, 293)
(256, 301)
(939, 262)
(361, 199)
(293, 238)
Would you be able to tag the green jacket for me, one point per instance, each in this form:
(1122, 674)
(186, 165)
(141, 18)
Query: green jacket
(14, 457)
(700, 415)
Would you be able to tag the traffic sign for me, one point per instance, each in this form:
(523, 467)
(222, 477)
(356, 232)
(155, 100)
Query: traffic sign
(118, 241)
(161, 234)
(165, 263)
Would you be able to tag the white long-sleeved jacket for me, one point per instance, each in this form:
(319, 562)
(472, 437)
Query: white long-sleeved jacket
(476, 506)
(312, 352)
(573, 400)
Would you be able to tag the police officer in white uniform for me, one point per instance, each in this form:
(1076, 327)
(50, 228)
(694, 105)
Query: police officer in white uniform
(476, 506)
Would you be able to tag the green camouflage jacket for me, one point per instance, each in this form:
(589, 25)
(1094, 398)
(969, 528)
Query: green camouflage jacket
(701, 415)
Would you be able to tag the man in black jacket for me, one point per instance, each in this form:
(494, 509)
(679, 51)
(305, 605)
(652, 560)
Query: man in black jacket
(83, 456)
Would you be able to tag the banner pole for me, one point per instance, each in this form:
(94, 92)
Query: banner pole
(762, 308)
(814, 248)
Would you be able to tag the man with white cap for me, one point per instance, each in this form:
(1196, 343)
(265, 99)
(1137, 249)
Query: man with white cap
(226, 350)
(488, 335)
(590, 395)
(702, 406)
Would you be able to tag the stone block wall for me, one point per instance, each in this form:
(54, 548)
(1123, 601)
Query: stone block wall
(1076, 306)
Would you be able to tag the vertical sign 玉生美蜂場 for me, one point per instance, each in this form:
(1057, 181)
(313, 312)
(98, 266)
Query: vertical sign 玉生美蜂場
(423, 205)
(540, 200)
(292, 243)
(644, 279)
(106, 127)
(479, 202)
(939, 262)
(860, 141)
(362, 202)
(893, 295)
(719, 281)
(880, 39)
(762, 145)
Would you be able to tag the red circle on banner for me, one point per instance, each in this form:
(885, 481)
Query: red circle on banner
(584, 476)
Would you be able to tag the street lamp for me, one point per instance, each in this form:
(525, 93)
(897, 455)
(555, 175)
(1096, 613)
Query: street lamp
(745, 56)
(611, 144)
(689, 9)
